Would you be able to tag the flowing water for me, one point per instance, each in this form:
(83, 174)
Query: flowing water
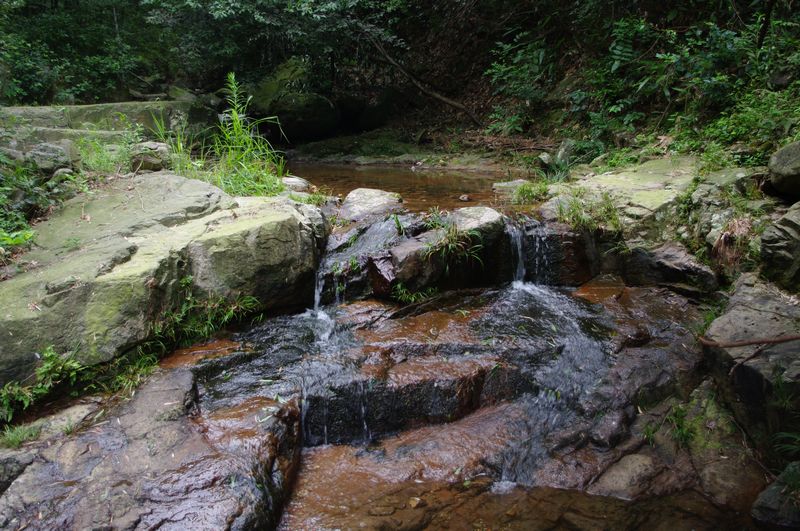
(480, 409)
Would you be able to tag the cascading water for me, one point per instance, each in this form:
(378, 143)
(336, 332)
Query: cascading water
(516, 235)
(541, 272)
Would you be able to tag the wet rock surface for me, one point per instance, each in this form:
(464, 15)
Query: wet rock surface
(778, 505)
(147, 465)
(784, 167)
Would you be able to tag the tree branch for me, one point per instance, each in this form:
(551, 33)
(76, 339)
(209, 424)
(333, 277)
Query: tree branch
(420, 85)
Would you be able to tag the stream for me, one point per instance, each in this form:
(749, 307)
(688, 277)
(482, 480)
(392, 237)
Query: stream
(481, 408)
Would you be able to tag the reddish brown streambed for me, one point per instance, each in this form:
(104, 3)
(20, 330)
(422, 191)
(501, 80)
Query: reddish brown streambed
(420, 189)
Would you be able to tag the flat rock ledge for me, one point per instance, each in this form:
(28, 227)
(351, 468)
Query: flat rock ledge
(107, 265)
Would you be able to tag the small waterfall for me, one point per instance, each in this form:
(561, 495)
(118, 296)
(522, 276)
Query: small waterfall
(319, 286)
(367, 434)
(515, 234)
(540, 246)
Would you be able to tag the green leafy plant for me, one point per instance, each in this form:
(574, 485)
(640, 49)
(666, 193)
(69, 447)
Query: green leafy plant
(583, 212)
(245, 162)
(403, 295)
(682, 431)
(198, 318)
(52, 370)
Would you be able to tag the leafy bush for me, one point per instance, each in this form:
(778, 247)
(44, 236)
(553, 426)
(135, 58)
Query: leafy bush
(529, 193)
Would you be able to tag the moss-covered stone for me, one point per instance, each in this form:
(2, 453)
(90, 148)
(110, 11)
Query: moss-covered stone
(107, 267)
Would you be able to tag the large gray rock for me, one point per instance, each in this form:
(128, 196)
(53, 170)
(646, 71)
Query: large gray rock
(364, 203)
(784, 167)
(107, 267)
(780, 250)
(777, 505)
(150, 156)
(670, 265)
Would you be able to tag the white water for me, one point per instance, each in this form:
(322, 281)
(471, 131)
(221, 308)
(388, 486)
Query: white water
(516, 235)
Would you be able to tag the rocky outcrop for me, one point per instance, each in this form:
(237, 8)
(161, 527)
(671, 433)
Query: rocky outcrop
(150, 156)
(106, 267)
(780, 250)
(48, 136)
(784, 167)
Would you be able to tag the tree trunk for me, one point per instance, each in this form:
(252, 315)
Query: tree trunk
(762, 33)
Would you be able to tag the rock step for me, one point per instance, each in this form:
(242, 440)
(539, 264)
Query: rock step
(106, 116)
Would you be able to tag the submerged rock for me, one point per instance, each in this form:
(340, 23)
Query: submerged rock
(780, 250)
(109, 266)
(784, 167)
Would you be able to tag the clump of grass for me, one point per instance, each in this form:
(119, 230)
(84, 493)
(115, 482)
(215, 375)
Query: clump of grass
(317, 198)
(100, 157)
(455, 246)
(682, 431)
(16, 436)
(530, 193)
(245, 162)
(198, 318)
(403, 295)
(435, 218)
(586, 213)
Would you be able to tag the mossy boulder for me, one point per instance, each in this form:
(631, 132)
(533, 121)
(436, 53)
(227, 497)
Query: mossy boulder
(107, 267)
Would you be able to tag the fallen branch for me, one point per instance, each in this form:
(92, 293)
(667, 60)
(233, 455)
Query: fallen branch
(748, 342)
(421, 86)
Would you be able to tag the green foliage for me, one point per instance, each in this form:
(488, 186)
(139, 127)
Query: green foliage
(198, 318)
(530, 193)
(16, 436)
(245, 163)
(317, 198)
(403, 295)
(649, 433)
(52, 370)
(522, 68)
(435, 218)
(788, 444)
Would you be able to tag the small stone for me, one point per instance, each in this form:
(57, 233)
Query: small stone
(465, 198)
(416, 502)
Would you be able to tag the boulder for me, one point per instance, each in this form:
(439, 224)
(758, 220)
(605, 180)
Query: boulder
(154, 468)
(136, 240)
(777, 506)
(780, 250)
(670, 265)
(297, 184)
(150, 156)
(364, 203)
(50, 157)
(784, 167)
